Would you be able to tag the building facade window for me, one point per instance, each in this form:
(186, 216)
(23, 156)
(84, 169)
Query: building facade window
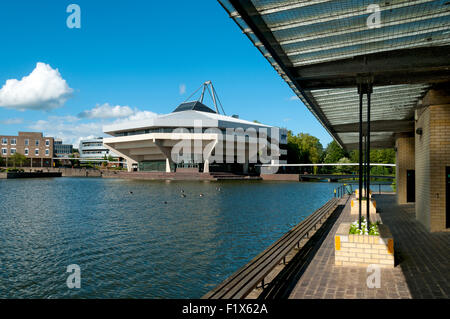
(27, 142)
(47, 143)
(4, 141)
(13, 141)
(37, 142)
(36, 152)
(4, 151)
(13, 151)
(26, 151)
(47, 152)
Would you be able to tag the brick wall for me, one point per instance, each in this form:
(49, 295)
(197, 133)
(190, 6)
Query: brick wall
(432, 155)
(422, 158)
(31, 137)
(280, 177)
(405, 161)
(439, 159)
(363, 250)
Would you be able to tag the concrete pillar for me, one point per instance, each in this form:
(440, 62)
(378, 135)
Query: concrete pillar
(130, 166)
(206, 166)
(207, 152)
(404, 146)
(167, 165)
(42, 162)
(432, 156)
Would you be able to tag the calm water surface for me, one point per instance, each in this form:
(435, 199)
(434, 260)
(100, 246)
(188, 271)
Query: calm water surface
(135, 245)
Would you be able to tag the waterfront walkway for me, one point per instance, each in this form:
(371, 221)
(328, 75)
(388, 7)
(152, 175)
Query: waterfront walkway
(422, 262)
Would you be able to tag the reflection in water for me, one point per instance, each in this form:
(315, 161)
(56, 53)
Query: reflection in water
(129, 243)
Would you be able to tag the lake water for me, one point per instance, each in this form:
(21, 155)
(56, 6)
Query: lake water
(134, 245)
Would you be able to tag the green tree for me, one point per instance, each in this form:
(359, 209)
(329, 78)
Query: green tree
(333, 153)
(304, 148)
(294, 154)
(384, 156)
(311, 148)
(18, 158)
(342, 169)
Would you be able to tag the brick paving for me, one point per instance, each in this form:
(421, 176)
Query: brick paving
(422, 262)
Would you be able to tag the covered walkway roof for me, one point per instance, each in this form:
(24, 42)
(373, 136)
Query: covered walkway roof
(322, 48)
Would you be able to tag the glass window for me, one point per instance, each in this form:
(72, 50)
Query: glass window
(37, 142)
(47, 152)
(26, 151)
(27, 142)
(36, 152)
(13, 151)
(4, 151)
(13, 141)
(4, 141)
(47, 143)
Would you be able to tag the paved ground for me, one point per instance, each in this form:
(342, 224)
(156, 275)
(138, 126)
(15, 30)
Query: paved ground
(422, 258)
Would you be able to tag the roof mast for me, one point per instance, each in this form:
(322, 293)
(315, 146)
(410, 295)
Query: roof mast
(207, 85)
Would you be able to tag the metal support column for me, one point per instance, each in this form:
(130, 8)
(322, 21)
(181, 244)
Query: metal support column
(364, 162)
(364, 87)
(368, 92)
(360, 150)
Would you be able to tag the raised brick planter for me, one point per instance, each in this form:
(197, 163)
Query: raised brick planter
(363, 192)
(364, 250)
(354, 206)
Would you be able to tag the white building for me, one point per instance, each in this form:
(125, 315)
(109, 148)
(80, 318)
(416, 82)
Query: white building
(196, 137)
(93, 149)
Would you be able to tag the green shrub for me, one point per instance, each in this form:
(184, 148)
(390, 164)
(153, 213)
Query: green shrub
(372, 230)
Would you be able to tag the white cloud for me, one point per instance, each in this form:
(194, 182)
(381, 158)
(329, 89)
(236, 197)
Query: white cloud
(182, 88)
(293, 98)
(42, 89)
(138, 116)
(68, 130)
(106, 111)
(72, 129)
(12, 121)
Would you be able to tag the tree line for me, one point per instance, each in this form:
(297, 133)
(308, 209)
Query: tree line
(304, 148)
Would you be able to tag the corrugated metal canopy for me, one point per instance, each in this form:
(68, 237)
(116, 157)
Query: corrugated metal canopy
(322, 48)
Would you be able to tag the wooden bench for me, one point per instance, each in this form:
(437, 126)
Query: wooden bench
(243, 281)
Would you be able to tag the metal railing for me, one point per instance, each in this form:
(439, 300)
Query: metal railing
(345, 189)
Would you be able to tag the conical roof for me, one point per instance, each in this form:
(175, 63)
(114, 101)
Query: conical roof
(193, 106)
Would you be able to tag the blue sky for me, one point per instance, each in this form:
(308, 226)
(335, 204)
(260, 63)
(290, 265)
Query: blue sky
(129, 60)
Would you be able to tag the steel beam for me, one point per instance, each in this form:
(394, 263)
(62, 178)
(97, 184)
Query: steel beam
(363, 27)
(344, 14)
(397, 126)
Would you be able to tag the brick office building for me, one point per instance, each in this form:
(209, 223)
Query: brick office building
(37, 148)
